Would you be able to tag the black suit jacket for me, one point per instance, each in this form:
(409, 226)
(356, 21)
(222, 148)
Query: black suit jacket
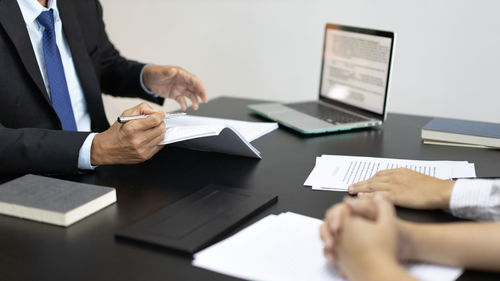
(31, 139)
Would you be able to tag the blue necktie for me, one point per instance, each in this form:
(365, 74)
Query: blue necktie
(59, 93)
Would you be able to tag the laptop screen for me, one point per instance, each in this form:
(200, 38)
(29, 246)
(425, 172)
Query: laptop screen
(356, 67)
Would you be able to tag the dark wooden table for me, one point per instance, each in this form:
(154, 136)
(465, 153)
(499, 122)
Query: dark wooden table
(88, 250)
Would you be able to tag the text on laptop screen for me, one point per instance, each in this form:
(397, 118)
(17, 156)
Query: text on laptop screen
(355, 69)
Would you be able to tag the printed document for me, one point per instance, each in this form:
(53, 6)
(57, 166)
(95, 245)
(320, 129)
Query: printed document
(337, 172)
(288, 247)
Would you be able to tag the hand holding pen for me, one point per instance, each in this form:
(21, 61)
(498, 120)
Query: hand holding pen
(130, 142)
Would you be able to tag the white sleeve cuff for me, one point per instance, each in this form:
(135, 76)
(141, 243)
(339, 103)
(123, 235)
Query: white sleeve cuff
(84, 156)
(476, 199)
(142, 82)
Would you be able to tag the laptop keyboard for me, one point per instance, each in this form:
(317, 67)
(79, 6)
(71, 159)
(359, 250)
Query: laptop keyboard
(326, 113)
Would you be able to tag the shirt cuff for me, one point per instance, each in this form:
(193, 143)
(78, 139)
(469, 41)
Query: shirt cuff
(475, 199)
(142, 82)
(84, 156)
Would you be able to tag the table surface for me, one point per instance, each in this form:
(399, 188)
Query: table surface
(88, 250)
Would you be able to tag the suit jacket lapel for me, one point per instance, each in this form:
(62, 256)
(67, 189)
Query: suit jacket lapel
(83, 65)
(13, 23)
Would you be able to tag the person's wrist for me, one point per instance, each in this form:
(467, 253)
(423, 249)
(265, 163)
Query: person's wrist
(373, 258)
(142, 80)
(414, 239)
(98, 151)
(376, 266)
(389, 270)
(406, 247)
(444, 193)
(147, 74)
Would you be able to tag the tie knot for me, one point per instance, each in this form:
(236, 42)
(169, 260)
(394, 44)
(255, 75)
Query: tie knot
(46, 19)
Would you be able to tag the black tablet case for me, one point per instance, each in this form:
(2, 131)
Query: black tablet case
(194, 222)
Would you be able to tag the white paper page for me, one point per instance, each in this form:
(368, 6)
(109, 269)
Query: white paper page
(325, 175)
(433, 272)
(467, 170)
(337, 172)
(361, 168)
(180, 133)
(249, 130)
(271, 249)
(287, 247)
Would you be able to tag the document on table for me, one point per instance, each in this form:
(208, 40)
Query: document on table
(337, 172)
(288, 247)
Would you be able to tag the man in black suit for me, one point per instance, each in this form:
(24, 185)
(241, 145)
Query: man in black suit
(34, 135)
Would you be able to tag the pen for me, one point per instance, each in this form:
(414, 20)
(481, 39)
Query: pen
(123, 119)
(479, 178)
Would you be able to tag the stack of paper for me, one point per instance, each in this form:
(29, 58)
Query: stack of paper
(337, 172)
(288, 247)
(215, 134)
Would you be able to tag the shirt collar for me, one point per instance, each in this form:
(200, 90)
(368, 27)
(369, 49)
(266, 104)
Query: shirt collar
(31, 9)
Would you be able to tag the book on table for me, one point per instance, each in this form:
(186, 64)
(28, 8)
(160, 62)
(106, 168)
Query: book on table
(455, 132)
(216, 134)
(51, 200)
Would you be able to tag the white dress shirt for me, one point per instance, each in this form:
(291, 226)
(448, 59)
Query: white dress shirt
(30, 10)
(476, 199)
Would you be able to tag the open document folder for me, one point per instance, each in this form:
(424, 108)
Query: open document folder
(216, 134)
(288, 247)
(337, 172)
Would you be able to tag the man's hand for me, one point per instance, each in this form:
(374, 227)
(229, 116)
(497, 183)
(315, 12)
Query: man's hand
(175, 83)
(407, 188)
(133, 142)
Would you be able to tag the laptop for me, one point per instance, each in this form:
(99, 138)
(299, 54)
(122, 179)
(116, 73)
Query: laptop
(354, 84)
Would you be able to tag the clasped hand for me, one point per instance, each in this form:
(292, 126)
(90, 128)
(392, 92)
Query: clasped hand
(362, 236)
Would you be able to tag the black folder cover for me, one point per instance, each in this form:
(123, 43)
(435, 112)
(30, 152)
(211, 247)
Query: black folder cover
(199, 219)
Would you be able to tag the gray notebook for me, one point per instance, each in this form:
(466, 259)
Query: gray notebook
(51, 200)
(457, 132)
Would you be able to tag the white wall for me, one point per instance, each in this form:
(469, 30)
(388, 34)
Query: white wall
(447, 60)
